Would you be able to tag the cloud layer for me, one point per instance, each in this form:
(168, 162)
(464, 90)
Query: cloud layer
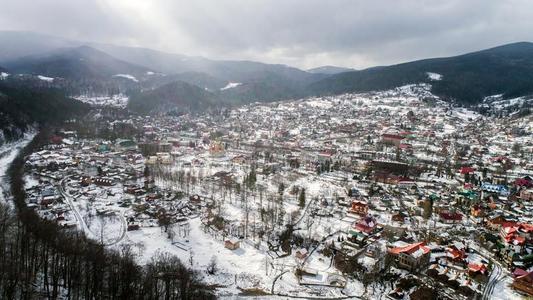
(303, 33)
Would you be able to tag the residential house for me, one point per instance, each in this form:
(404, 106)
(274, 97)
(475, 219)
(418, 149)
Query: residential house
(524, 283)
(495, 222)
(526, 195)
(495, 188)
(449, 217)
(359, 207)
(412, 256)
(477, 211)
(392, 139)
(301, 253)
(456, 251)
(232, 244)
(366, 225)
(477, 269)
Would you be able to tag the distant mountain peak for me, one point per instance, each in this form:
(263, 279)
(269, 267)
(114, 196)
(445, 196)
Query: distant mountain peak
(466, 78)
(75, 63)
(329, 70)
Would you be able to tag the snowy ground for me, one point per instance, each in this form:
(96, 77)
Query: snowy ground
(118, 100)
(254, 265)
(503, 290)
(231, 85)
(127, 76)
(8, 152)
(44, 78)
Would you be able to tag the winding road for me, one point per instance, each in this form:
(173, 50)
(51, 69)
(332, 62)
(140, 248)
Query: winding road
(495, 276)
(8, 152)
(81, 221)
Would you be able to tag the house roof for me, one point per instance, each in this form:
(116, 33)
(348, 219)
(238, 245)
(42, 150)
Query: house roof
(466, 170)
(359, 203)
(474, 267)
(233, 241)
(411, 248)
(451, 216)
(302, 251)
(519, 272)
(392, 136)
(455, 253)
(366, 224)
(523, 182)
(526, 277)
(526, 227)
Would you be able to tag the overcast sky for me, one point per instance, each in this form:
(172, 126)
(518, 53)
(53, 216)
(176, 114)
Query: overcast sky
(302, 33)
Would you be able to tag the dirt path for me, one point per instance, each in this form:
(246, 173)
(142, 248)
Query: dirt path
(81, 221)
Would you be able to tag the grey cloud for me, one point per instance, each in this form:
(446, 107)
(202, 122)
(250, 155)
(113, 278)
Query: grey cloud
(305, 33)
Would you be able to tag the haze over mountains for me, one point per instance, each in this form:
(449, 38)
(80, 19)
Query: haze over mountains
(196, 83)
(330, 70)
(467, 78)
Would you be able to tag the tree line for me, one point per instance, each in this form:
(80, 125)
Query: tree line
(40, 260)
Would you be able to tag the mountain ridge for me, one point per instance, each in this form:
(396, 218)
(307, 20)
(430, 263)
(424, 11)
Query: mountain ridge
(77, 62)
(466, 78)
(329, 70)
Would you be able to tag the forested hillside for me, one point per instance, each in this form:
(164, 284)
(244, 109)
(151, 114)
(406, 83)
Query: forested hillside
(25, 106)
(41, 261)
(467, 78)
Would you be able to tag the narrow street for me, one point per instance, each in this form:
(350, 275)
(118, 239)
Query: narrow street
(495, 276)
(81, 222)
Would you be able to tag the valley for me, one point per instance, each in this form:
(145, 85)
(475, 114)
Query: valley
(303, 198)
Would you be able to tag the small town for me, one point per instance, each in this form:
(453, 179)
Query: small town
(394, 194)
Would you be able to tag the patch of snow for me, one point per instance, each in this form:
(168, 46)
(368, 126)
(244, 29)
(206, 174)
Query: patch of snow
(150, 73)
(434, 76)
(119, 100)
(127, 76)
(44, 78)
(231, 85)
(520, 101)
(465, 114)
(503, 290)
(8, 152)
(4, 75)
(492, 98)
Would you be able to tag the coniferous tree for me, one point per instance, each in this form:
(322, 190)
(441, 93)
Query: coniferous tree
(301, 198)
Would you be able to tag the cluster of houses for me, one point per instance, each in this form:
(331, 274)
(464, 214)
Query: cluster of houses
(110, 176)
(418, 184)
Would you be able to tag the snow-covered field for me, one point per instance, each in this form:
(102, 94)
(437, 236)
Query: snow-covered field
(127, 76)
(231, 85)
(434, 76)
(44, 78)
(256, 214)
(8, 152)
(119, 100)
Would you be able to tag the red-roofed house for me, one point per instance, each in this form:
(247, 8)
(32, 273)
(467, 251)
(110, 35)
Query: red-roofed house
(366, 225)
(467, 170)
(359, 207)
(509, 227)
(516, 234)
(477, 211)
(393, 139)
(476, 268)
(523, 182)
(519, 272)
(524, 283)
(496, 222)
(412, 256)
(450, 217)
(526, 195)
(456, 254)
